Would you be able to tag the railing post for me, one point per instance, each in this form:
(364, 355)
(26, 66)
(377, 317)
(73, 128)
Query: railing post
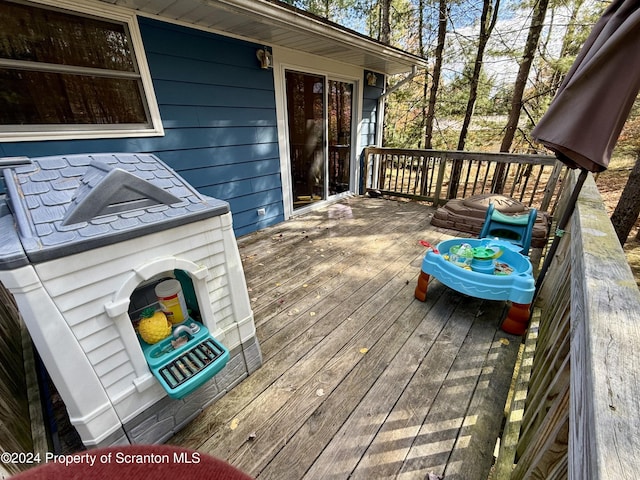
(365, 170)
(441, 172)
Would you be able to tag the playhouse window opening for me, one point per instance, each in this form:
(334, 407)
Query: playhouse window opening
(179, 349)
(145, 297)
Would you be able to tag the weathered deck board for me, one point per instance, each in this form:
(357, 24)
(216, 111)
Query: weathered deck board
(346, 449)
(360, 379)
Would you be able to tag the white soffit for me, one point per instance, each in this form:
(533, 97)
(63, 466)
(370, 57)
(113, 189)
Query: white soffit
(275, 23)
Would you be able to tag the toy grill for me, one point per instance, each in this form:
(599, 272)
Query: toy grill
(85, 241)
(181, 370)
(186, 370)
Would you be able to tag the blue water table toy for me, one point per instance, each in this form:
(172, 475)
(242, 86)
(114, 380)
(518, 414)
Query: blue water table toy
(489, 268)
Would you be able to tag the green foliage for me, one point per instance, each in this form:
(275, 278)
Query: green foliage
(404, 121)
(454, 94)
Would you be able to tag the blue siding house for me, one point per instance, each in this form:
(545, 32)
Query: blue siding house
(251, 101)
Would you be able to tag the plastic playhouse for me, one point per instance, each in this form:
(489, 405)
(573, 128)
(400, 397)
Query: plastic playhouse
(102, 249)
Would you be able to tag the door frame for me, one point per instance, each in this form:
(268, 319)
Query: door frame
(330, 71)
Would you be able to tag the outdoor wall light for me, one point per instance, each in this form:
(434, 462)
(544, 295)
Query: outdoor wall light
(372, 79)
(265, 57)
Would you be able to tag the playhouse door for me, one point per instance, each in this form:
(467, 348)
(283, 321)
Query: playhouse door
(319, 121)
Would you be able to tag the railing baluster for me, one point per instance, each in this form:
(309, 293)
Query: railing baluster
(432, 165)
(528, 170)
(536, 184)
(407, 169)
(411, 179)
(506, 176)
(466, 178)
(475, 178)
(523, 188)
(417, 183)
(515, 180)
(424, 174)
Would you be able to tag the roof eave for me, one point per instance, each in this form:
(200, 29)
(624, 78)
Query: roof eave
(283, 15)
(278, 24)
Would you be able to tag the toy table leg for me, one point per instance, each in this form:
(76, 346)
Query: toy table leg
(421, 288)
(517, 319)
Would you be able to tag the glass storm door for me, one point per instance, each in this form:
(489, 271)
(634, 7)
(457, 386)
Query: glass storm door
(340, 103)
(319, 115)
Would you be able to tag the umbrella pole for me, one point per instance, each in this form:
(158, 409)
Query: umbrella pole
(566, 216)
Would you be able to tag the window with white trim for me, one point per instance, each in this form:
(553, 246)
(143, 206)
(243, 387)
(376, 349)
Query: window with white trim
(72, 74)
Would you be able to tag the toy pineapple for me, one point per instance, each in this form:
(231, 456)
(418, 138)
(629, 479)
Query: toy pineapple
(154, 326)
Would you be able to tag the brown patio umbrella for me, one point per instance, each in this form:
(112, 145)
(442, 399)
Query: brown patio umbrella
(587, 114)
(585, 118)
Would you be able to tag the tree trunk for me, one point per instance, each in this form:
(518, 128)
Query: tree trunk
(628, 208)
(385, 22)
(435, 82)
(486, 27)
(531, 45)
(425, 88)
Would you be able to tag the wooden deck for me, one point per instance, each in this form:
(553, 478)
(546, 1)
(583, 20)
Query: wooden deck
(360, 380)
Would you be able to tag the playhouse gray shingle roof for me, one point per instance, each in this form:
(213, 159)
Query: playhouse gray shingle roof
(67, 204)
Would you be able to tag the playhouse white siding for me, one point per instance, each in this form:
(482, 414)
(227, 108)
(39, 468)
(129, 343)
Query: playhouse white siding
(81, 286)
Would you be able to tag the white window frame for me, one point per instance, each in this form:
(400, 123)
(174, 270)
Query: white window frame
(23, 133)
